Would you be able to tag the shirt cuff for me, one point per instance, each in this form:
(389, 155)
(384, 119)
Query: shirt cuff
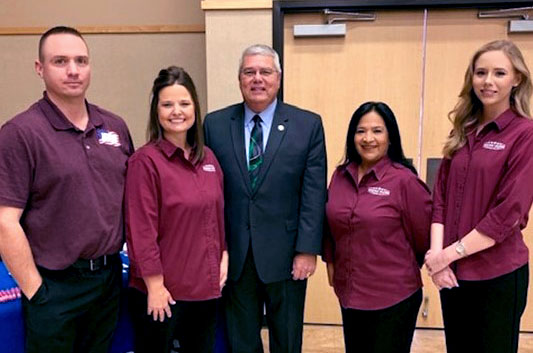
(493, 229)
(151, 268)
(437, 216)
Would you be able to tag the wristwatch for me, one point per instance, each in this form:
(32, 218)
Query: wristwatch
(460, 249)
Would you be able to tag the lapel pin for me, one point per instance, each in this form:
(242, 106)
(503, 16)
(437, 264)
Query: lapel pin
(281, 127)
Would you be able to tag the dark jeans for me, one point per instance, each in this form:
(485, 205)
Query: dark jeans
(192, 324)
(484, 316)
(74, 310)
(388, 330)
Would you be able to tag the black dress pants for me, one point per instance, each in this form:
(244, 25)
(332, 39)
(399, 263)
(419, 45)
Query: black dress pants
(244, 303)
(74, 311)
(388, 330)
(192, 325)
(484, 316)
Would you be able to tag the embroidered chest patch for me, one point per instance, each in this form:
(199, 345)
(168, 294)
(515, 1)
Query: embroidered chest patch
(209, 168)
(378, 191)
(494, 145)
(110, 138)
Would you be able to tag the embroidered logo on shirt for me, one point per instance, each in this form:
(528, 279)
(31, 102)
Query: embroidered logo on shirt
(378, 191)
(494, 145)
(209, 168)
(110, 138)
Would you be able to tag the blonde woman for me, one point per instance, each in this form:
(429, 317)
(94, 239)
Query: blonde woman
(484, 190)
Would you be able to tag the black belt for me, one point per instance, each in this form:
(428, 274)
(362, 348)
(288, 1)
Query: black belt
(94, 264)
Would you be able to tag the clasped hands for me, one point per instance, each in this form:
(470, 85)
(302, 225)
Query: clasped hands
(438, 267)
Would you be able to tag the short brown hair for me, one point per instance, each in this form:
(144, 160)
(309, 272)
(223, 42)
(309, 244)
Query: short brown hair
(57, 30)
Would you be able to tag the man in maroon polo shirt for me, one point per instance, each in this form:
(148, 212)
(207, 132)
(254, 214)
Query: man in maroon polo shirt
(62, 169)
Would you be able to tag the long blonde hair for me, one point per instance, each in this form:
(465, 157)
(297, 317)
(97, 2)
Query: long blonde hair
(466, 112)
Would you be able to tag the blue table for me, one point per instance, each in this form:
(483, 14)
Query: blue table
(12, 333)
(12, 324)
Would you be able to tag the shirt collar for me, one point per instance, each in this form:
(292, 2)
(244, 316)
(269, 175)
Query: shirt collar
(59, 121)
(378, 170)
(266, 115)
(504, 119)
(169, 149)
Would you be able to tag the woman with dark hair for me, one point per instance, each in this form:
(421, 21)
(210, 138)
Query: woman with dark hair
(175, 225)
(482, 197)
(378, 216)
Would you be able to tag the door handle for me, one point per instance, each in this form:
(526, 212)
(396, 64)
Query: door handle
(425, 306)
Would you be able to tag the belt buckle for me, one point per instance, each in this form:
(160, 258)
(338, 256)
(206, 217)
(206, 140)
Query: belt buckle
(93, 266)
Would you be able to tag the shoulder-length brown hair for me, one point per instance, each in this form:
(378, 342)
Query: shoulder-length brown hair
(466, 112)
(195, 135)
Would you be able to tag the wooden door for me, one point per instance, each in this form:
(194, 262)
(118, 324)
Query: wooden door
(384, 60)
(379, 61)
(452, 38)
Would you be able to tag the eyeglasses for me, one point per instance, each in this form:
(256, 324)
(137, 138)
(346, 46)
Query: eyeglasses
(249, 73)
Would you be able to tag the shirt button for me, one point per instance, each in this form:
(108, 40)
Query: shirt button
(88, 147)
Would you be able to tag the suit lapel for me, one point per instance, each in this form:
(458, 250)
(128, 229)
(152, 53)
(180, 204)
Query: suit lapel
(237, 136)
(279, 127)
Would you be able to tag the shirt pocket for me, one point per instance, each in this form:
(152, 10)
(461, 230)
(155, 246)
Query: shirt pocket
(41, 296)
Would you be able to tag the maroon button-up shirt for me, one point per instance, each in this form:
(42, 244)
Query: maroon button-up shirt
(378, 230)
(175, 220)
(488, 185)
(69, 182)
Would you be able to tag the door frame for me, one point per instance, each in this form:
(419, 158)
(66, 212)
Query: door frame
(281, 7)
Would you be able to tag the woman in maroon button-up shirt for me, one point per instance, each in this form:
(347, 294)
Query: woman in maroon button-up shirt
(482, 197)
(378, 217)
(175, 225)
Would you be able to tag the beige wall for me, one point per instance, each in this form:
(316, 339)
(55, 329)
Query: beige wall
(37, 13)
(123, 65)
(231, 26)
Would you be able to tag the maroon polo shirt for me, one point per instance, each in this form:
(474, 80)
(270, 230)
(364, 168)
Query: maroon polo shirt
(175, 220)
(69, 182)
(488, 185)
(378, 228)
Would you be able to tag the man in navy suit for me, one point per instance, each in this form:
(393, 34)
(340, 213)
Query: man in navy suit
(274, 162)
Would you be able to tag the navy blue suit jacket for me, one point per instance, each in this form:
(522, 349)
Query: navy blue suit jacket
(284, 215)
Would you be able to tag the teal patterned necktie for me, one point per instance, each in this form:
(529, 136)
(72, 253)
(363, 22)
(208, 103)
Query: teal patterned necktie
(255, 151)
